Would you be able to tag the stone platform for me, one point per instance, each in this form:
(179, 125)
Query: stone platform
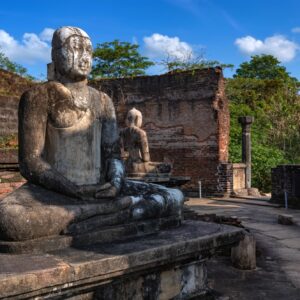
(166, 265)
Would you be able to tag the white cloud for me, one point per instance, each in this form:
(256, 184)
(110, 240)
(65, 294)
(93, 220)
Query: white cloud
(277, 45)
(31, 49)
(47, 34)
(296, 29)
(158, 45)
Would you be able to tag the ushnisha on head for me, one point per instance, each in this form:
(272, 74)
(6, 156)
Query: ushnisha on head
(134, 118)
(71, 54)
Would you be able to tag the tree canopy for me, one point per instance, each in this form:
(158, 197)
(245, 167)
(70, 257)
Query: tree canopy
(118, 59)
(273, 100)
(262, 67)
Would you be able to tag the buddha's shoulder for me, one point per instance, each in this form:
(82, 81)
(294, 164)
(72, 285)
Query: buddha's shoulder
(42, 92)
(99, 94)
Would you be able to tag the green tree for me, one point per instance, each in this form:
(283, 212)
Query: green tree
(7, 64)
(262, 67)
(118, 59)
(273, 100)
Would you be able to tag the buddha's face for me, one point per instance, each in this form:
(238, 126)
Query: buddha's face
(74, 59)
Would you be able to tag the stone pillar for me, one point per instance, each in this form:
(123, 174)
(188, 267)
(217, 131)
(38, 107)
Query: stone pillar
(246, 146)
(243, 256)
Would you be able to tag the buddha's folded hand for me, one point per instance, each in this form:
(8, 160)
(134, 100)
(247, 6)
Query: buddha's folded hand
(107, 190)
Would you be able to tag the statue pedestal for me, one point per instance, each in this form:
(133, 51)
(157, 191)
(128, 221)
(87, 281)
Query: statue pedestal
(165, 265)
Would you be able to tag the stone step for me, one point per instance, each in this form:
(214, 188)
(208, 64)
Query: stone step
(254, 201)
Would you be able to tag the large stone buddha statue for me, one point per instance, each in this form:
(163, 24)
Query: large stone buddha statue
(70, 155)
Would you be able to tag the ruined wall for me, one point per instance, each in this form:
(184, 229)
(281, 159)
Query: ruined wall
(11, 88)
(186, 117)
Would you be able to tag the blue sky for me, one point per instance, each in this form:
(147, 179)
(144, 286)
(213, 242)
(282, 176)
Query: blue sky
(228, 31)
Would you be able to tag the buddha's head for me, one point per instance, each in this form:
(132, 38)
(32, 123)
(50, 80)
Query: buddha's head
(134, 118)
(71, 53)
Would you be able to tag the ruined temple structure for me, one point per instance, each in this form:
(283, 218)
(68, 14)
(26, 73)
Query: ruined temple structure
(186, 118)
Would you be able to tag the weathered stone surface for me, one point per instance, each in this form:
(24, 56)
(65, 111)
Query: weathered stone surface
(82, 239)
(32, 212)
(285, 219)
(239, 180)
(182, 281)
(58, 217)
(243, 256)
(80, 271)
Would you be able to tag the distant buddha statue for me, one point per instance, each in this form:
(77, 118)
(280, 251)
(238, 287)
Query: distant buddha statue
(135, 148)
(134, 139)
(70, 154)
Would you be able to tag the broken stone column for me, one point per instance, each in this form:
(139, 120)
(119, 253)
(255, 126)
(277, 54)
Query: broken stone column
(243, 256)
(246, 147)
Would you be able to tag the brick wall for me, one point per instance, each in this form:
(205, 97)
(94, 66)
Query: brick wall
(8, 115)
(13, 85)
(186, 117)
(11, 88)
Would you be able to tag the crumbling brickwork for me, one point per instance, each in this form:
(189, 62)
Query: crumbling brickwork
(8, 115)
(186, 117)
(11, 88)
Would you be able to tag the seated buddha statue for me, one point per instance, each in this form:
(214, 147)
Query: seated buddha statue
(136, 156)
(70, 154)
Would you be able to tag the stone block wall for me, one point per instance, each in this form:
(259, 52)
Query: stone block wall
(225, 179)
(239, 176)
(186, 117)
(286, 178)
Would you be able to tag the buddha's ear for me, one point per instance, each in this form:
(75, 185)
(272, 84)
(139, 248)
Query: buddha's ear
(139, 119)
(136, 120)
(50, 72)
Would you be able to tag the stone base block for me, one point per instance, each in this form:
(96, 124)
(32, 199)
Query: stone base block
(243, 256)
(107, 234)
(285, 219)
(166, 265)
(177, 282)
